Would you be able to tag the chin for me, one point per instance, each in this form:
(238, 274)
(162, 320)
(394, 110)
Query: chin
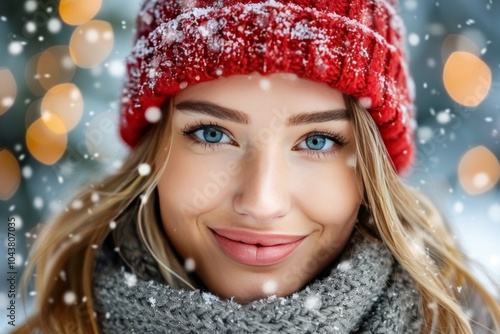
(246, 291)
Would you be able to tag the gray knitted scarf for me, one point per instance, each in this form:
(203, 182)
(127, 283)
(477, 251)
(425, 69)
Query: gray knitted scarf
(366, 291)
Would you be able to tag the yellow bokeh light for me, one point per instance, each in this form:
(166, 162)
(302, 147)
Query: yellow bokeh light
(55, 66)
(8, 90)
(467, 78)
(10, 175)
(91, 43)
(478, 170)
(76, 12)
(66, 102)
(45, 145)
(54, 123)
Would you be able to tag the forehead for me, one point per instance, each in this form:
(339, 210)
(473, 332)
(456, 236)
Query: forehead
(255, 92)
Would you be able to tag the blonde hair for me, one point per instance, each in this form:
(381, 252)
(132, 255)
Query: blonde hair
(418, 237)
(402, 218)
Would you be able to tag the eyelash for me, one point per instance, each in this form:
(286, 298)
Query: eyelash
(338, 139)
(189, 130)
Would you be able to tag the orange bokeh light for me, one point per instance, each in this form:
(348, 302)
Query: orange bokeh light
(467, 78)
(66, 102)
(45, 145)
(91, 43)
(55, 66)
(8, 90)
(76, 12)
(10, 175)
(478, 170)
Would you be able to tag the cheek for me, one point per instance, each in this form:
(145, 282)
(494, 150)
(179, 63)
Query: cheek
(191, 184)
(329, 195)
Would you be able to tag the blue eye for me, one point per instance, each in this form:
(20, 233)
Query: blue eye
(317, 143)
(212, 135)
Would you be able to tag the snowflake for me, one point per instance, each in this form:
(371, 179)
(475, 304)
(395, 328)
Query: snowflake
(130, 279)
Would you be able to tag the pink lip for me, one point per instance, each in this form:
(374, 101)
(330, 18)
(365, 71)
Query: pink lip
(255, 249)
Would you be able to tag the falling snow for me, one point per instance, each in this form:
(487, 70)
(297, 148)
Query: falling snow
(116, 68)
(27, 172)
(425, 133)
(189, 265)
(30, 6)
(365, 102)
(443, 117)
(413, 39)
(54, 26)
(38, 202)
(265, 84)
(69, 297)
(153, 114)
(144, 169)
(269, 287)
(77, 204)
(15, 48)
(94, 197)
(459, 207)
(30, 27)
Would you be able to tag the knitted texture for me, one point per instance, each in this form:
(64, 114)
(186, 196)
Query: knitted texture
(366, 292)
(353, 46)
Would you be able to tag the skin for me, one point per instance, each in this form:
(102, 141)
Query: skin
(261, 177)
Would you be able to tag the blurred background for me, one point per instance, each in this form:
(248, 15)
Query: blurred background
(61, 70)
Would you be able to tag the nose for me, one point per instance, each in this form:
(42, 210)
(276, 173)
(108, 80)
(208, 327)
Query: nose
(264, 194)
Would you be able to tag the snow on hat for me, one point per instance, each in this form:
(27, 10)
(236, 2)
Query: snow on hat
(354, 46)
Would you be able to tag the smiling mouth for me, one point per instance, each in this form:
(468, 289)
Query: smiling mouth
(256, 249)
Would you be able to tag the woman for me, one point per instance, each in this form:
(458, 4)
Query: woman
(264, 195)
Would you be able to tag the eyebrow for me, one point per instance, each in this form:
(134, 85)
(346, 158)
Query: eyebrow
(211, 109)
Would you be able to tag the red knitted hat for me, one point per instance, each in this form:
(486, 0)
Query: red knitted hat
(355, 46)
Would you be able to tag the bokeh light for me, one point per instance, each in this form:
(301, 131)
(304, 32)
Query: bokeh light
(10, 175)
(76, 12)
(66, 102)
(55, 66)
(478, 170)
(456, 42)
(32, 76)
(8, 90)
(467, 78)
(45, 145)
(91, 43)
(33, 112)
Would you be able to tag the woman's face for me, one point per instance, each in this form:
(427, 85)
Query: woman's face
(259, 190)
